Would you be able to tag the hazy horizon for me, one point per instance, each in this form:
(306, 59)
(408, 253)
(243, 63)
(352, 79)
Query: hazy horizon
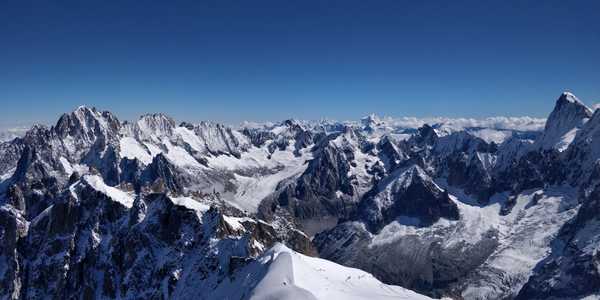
(408, 120)
(25, 125)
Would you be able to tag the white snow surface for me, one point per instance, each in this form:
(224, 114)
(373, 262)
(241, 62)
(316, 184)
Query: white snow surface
(294, 276)
(236, 222)
(257, 176)
(132, 149)
(116, 194)
(191, 203)
(66, 165)
(179, 157)
(492, 135)
(7, 174)
(189, 137)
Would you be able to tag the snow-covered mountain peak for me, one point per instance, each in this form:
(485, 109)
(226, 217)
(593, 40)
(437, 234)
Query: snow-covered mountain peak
(568, 101)
(416, 174)
(425, 135)
(86, 124)
(289, 127)
(371, 120)
(569, 97)
(88, 115)
(291, 122)
(83, 109)
(566, 119)
(154, 125)
(412, 175)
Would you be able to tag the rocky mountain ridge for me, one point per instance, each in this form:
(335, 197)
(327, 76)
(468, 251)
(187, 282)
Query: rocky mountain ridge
(474, 212)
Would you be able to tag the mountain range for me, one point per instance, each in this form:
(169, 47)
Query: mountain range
(381, 208)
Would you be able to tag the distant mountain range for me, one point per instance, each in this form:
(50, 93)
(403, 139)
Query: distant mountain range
(495, 208)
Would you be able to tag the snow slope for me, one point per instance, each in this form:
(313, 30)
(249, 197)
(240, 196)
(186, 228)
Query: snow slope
(116, 194)
(257, 173)
(292, 276)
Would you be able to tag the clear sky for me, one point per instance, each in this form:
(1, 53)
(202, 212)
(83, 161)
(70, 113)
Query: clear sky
(269, 60)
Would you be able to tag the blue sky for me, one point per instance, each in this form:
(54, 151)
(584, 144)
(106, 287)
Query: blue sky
(270, 60)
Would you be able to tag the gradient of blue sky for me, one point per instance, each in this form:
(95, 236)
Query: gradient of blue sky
(269, 60)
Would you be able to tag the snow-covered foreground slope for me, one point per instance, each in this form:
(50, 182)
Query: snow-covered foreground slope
(294, 276)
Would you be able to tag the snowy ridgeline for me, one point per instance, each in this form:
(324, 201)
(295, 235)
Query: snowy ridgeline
(294, 276)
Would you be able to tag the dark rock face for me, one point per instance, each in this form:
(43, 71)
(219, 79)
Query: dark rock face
(16, 198)
(162, 169)
(471, 175)
(258, 137)
(392, 156)
(85, 125)
(313, 195)
(61, 251)
(467, 162)
(292, 132)
(411, 194)
(25, 164)
(32, 185)
(131, 172)
(426, 136)
(425, 265)
(10, 152)
(104, 159)
(325, 175)
(13, 227)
